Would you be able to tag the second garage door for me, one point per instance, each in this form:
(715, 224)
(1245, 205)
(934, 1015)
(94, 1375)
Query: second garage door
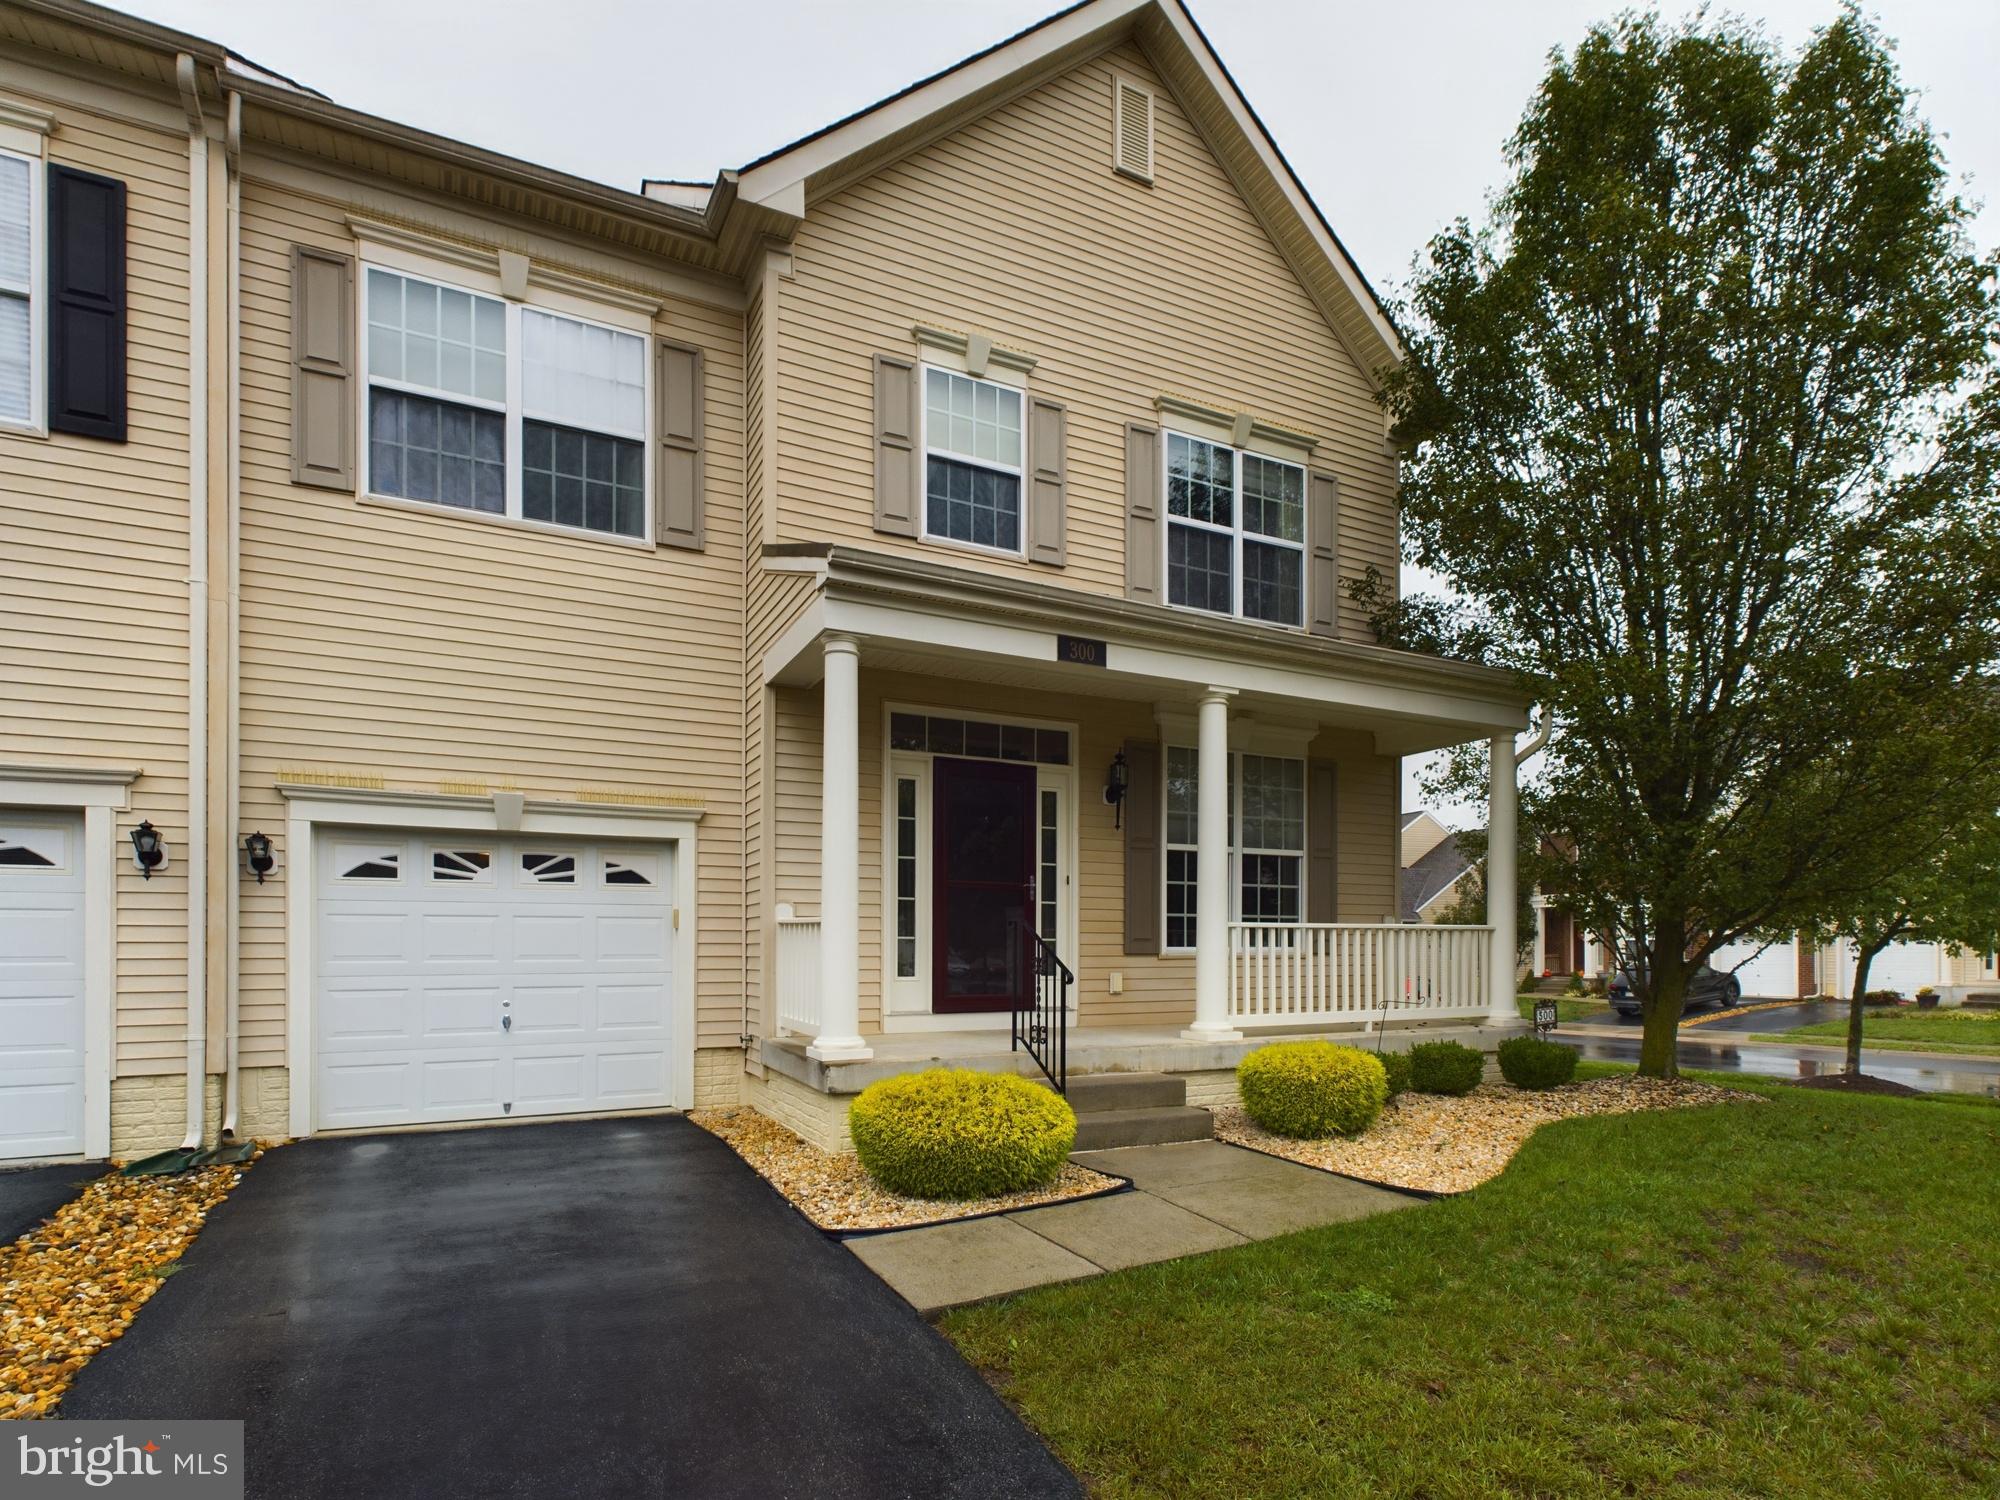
(461, 978)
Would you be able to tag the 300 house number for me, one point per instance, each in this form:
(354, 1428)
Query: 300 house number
(1080, 651)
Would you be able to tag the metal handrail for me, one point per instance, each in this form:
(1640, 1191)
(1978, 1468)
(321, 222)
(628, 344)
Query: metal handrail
(1041, 1029)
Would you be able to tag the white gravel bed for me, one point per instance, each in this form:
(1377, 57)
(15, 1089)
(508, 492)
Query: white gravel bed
(833, 1190)
(1445, 1145)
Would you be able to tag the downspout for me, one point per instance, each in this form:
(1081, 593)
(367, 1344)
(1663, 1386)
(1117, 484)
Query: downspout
(232, 140)
(197, 845)
(1536, 740)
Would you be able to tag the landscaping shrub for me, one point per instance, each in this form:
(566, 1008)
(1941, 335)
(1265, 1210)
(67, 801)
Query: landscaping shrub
(1882, 997)
(1445, 1068)
(1528, 1062)
(954, 1133)
(1310, 1090)
(1397, 1066)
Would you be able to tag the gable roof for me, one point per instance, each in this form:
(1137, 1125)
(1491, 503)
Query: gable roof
(788, 179)
(1428, 878)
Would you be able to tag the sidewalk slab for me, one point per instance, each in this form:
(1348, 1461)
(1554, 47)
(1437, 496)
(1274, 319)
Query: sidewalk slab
(1260, 1206)
(1128, 1229)
(943, 1265)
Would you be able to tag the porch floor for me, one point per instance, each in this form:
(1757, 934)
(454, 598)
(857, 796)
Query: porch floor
(1092, 1049)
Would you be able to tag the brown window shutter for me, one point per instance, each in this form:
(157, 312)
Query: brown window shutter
(896, 458)
(1048, 469)
(1145, 892)
(322, 368)
(1322, 843)
(1142, 513)
(678, 480)
(1323, 565)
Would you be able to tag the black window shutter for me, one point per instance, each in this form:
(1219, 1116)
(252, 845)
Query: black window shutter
(86, 304)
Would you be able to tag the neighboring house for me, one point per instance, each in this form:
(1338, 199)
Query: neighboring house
(1439, 870)
(690, 646)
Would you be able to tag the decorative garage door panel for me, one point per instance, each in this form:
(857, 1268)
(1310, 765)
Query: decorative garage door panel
(462, 978)
(1902, 967)
(1763, 973)
(41, 985)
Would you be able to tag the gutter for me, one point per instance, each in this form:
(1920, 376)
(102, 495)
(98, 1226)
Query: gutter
(197, 769)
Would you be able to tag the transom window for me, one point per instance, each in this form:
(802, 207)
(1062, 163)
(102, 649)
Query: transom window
(487, 406)
(1236, 531)
(1267, 839)
(972, 461)
(979, 738)
(20, 192)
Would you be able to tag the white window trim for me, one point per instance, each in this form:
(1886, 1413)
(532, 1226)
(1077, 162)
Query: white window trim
(1236, 532)
(1018, 471)
(316, 811)
(514, 408)
(907, 1002)
(36, 291)
(1236, 849)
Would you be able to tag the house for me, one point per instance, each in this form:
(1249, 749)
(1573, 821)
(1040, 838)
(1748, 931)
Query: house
(481, 644)
(1440, 867)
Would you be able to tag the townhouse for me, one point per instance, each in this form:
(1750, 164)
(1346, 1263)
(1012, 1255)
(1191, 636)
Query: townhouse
(481, 645)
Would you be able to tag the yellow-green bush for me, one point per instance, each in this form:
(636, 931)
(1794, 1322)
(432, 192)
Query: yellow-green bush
(954, 1133)
(1309, 1090)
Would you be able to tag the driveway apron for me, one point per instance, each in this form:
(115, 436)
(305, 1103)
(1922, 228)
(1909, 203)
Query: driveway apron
(607, 1307)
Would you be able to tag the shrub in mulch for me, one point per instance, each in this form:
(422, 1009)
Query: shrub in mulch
(1528, 1062)
(1449, 1068)
(1396, 1066)
(956, 1133)
(1882, 997)
(1857, 1083)
(1312, 1090)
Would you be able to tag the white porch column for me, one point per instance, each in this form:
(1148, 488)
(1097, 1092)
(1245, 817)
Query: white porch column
(840, 858)
(1211, 910)
(1502, 817)
(1541, 934)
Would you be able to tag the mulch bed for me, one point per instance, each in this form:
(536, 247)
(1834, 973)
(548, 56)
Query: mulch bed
(837, 1194)
(72, 1286)
(1855, 1083)
(1436, 1144)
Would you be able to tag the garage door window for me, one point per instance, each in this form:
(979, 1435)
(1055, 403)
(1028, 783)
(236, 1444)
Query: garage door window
(465, 866)
(25, 855)
(354, 863)
(549, 869)
(631, 870)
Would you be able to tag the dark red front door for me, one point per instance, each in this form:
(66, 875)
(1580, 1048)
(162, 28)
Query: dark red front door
(983, 891)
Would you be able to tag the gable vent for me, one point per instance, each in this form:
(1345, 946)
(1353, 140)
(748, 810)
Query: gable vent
(1131, 129)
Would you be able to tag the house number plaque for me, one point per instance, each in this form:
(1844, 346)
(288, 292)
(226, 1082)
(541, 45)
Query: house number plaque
(1080, 651)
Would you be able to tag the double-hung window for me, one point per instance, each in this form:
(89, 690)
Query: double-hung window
(1266, 839)
(490, 406)
(20, 211)
(973, 452)
(1236, 531)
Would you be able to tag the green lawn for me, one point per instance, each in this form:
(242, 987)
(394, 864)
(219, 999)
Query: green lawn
(1799, 1298)
(1910, 1031)
(1568, 1007)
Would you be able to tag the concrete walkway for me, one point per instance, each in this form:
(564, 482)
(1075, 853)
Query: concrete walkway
(1187, 1198)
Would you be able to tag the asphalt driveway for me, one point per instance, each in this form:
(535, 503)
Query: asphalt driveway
(605, 1308)
(29, 1195)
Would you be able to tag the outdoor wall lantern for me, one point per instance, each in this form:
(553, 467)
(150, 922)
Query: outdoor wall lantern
(1115, 783)
(149, 850)
(257, 856)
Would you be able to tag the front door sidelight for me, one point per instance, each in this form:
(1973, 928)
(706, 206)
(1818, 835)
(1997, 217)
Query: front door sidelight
(982, 885)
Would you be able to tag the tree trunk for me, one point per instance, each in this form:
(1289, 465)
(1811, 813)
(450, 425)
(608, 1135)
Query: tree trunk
(1659, 1046)
(1854, 1005)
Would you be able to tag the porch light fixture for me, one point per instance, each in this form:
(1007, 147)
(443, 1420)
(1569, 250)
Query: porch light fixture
(257, 856)
(149, 850)
(1115, 783)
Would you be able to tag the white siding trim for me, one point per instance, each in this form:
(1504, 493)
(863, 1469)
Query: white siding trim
(313, 807)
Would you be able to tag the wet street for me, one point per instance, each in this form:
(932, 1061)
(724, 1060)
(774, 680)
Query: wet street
(1721, 1046)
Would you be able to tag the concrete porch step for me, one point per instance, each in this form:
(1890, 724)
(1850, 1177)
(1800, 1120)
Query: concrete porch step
(1104, 1130)
(1094, 1093)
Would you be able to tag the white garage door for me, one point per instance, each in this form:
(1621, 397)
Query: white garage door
(472, 978)
(41, 985)
(1902, 967)
(1772, 974)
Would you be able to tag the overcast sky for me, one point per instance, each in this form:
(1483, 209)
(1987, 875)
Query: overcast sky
(1392, 115)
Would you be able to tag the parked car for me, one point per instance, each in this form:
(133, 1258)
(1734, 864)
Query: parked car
(1706, 987)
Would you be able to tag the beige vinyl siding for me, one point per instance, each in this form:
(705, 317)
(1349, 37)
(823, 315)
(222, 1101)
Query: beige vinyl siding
(1016, 226)
(94, 627)
(774, 601)
(434, 651)
(1157, 990)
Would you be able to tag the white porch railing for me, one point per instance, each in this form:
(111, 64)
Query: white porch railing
(798, 975)
(1291, 973)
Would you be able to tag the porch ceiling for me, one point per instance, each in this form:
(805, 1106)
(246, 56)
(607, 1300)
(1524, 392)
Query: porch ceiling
(934, 620)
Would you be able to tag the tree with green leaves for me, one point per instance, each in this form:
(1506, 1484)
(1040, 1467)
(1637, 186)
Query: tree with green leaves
(1703, 428)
